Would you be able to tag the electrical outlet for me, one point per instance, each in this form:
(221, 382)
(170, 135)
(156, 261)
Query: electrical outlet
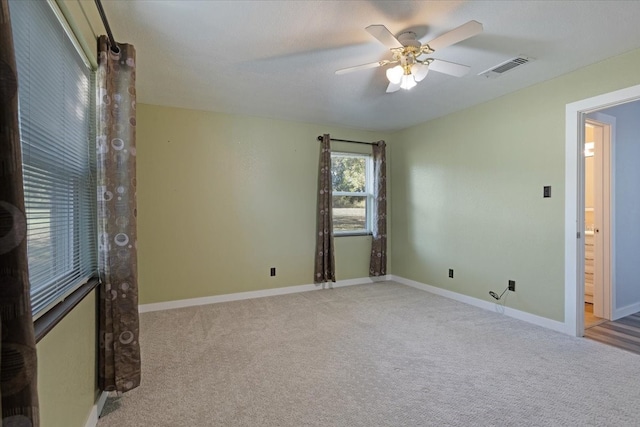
(546, 191)
(512, 285)
(451, 273)
(273, 271)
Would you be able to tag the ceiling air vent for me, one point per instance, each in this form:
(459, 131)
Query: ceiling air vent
(505, 66)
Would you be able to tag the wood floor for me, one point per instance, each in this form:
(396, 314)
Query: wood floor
(623, 333)
(590, 320)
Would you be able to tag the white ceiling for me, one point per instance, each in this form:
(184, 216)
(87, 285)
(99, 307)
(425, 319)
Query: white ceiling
(277, 58)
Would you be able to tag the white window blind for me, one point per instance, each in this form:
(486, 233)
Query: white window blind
(55, 92)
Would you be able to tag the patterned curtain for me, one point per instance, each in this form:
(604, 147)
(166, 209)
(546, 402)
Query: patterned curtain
(378, 263)
(18, 364)
(325, 270)
(119, 355)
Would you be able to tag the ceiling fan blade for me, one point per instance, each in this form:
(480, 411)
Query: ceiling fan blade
(393, 87)
(360, 67)
(383, 35)
(451, 68)
(463, 32)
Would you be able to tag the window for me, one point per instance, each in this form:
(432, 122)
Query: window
(352, 180)
(57, 114)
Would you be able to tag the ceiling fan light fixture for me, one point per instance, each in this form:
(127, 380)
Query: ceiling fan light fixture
(407, 82)
(408, 53)
(419, 71)
(394, 75)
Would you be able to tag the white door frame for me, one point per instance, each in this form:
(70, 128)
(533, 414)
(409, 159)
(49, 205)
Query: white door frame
(574, 201)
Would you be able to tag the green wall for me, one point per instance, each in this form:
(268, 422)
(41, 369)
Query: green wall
(467, 191)
(222, 198)
(67, 378)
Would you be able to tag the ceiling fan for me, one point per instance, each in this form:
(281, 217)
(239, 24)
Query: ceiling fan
(409, 54)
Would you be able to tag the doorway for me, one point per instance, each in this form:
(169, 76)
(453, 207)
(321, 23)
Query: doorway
(576, 115)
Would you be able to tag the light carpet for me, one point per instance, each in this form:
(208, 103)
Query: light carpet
(380, 354)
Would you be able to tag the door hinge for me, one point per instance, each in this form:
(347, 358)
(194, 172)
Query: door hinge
(578, 234)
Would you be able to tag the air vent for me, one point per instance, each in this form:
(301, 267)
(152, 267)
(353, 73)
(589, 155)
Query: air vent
(505, 66)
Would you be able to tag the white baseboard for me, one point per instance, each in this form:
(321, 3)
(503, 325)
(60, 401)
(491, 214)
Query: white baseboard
(625, 311)
(168, 305)
(511, 312)
(92, 421)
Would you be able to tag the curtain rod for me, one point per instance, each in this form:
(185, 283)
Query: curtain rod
(347, 140)
(114, 46)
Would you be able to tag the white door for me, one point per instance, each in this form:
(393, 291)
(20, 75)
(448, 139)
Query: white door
(598, 212)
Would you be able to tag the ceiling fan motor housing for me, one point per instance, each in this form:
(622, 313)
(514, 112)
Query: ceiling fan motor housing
(409, 38)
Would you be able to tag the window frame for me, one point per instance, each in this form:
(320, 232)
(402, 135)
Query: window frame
(367, 193)
(82, 280)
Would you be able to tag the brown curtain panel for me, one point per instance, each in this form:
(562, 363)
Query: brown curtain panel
(325, 270)
(119, 354)
(18, 362)
(378, 263)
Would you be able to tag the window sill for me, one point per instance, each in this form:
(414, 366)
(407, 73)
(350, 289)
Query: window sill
(45, 323)
(355, 233)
